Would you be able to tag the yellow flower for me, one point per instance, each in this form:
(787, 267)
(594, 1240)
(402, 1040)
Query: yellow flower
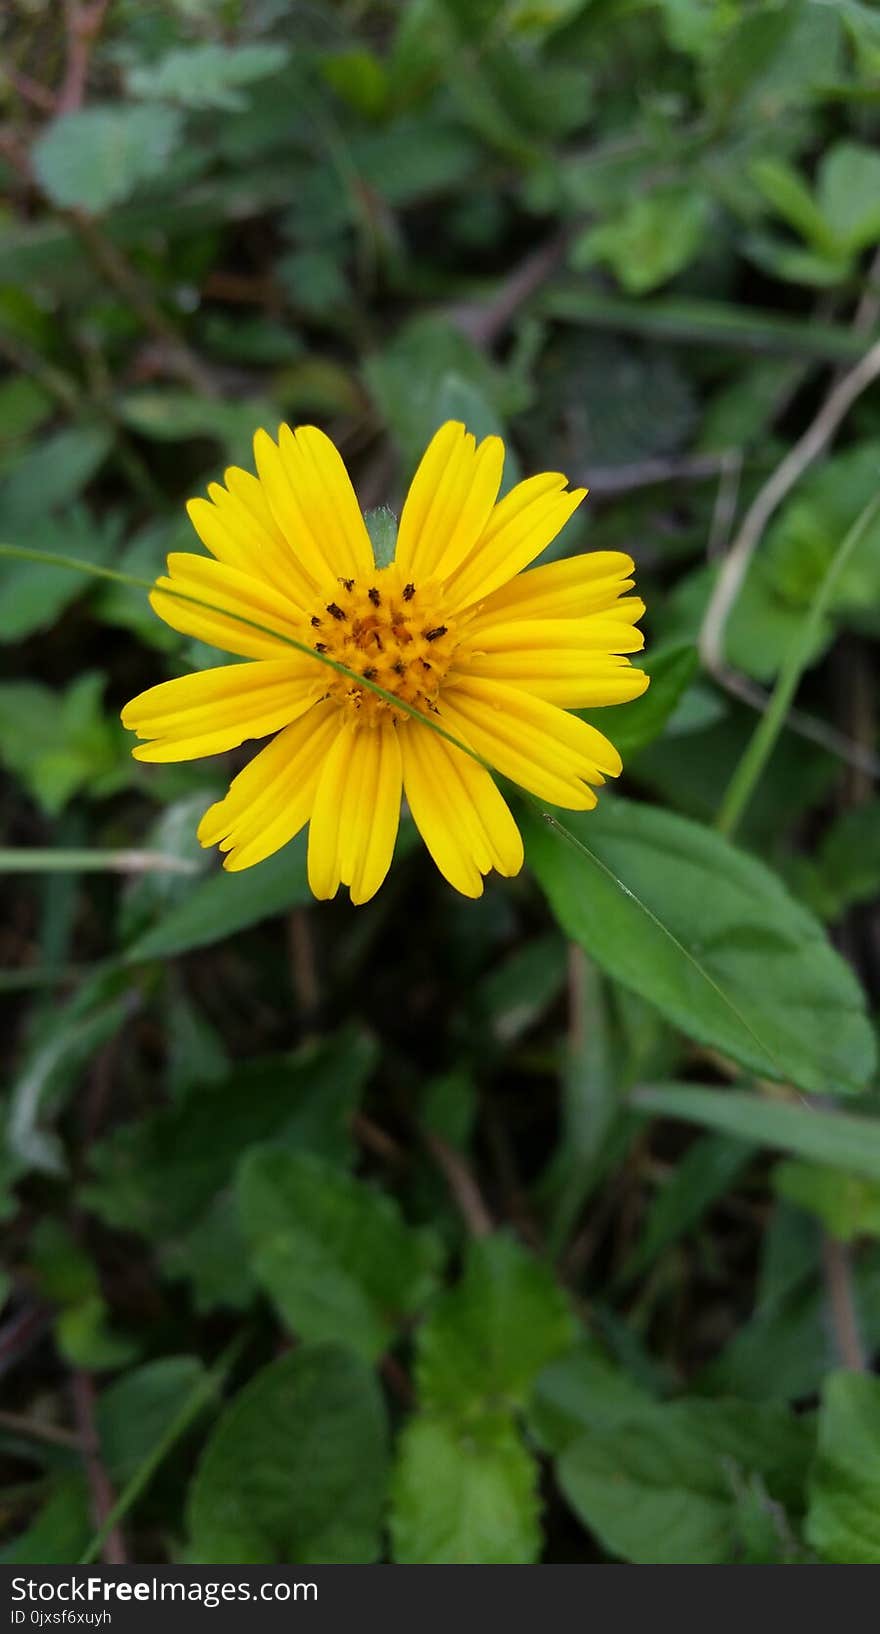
(452, 627)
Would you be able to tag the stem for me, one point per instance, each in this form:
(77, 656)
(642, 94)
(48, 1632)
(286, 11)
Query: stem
(27, 860)
(760, 746)
(841, 1300)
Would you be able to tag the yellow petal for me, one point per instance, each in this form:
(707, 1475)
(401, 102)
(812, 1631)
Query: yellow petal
(356, 812)
(449, 502)
(271, 799)
(552, 754)
(571, 588)
(573, 662)
(237, 527)
(519, 528)
(228, 592)
(217, 709)
(312, 502)
(463, 820)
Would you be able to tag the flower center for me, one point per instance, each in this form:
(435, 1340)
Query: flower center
(392, 633)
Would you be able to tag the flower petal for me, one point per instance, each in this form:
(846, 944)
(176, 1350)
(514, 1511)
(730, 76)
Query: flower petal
(228, 592)
(237, 527)
(574, 662)
(271, 799)
(542, 748)
(356, 812)
(462, 818)
(519, 528)
(217, 709)
(571, 588)
(449, 502)
(312, 502)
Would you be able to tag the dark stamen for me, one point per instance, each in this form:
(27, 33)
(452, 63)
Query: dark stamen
(320, 646)
(347, 584)
(399, 668)
(409, 591)
(315, 622)
(370, 674)
(335, 610)
(434, 635)
(374, 596)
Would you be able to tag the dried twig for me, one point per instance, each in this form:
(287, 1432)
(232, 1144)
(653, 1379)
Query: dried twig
(842, 1305)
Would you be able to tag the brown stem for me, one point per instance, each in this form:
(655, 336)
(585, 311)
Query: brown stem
(842, 1304)
(103, 1497)
(462, 1185)
(84, 24)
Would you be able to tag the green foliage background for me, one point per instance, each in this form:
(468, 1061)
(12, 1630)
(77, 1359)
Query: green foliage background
(543, 1228)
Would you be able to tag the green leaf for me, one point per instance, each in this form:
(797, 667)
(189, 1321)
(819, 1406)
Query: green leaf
(486, 1340)
(51, 474)
(95, 157)
(168, 415)
(295, 1471)
(708, 1170)
(464, 1497)
(657, 235)
(333, 1252)
(60, 1531)
(382, 528)
(157, 1175)
(708, 935)
(220, 906)
(59, 743)
(848, 863)
(843, 1521)
(207, 76)
(86, 1340)
(660, 1488)
(849, 194)
(848, 1206)
(579, 1391)
(837, 1139)
(137, 1410)
(635, 724)
(783, 186)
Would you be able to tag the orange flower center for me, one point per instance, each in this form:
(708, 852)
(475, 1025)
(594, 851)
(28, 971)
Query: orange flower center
(391, 632)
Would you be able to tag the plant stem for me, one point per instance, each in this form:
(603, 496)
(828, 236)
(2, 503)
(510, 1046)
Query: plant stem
(761, 744)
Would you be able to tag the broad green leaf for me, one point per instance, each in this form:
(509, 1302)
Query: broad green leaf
(157, 1175)
(52, 473)
(843, 1521)
(785, 1350)
(486, 1340)
(96, 157)
(296, 1469)
(333, 1252)
(59, 1533)
(464, 1497)
(167, 415)
(848, 863)
(711, 937)
(212, 1257)
(660, 1488)
(635, 724)
(847, 1205)
(208, 75)
(849, 194)
(837, 1139)
(136, 1410)
(581, 1390)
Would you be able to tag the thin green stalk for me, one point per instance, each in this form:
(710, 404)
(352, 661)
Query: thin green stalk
(758, 750)
(37, 860)
(204, 1391)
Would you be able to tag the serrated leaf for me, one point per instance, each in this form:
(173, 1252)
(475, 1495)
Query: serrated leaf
(660, 1488)
(485, 1340)
(843, 1521)
(333, 1252)
(464, 1497)
(711, 937)
(295, 1471)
